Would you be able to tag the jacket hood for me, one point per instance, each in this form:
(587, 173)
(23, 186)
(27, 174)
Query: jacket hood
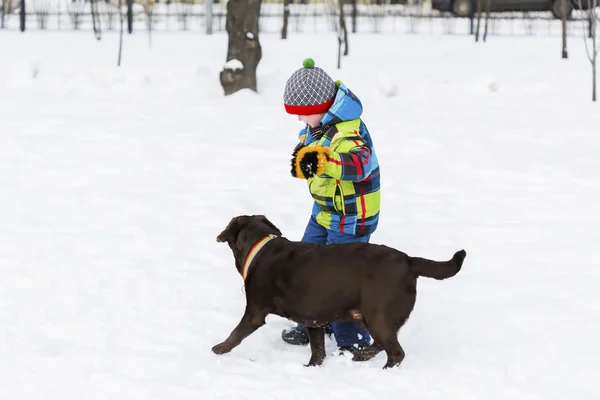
(345, 107)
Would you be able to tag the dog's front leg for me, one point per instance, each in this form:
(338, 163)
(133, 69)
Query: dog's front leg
(249, 323)
(316, 337)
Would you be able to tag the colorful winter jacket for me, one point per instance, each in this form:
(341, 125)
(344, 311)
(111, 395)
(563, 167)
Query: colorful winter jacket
(347, 194)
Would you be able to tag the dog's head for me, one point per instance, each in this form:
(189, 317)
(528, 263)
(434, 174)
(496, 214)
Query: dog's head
(238, 224)
(254, 227)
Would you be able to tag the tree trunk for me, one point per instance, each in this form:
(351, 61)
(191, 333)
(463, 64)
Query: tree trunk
(3, 12)
(563, 18)
(594, 57)
(149, 8)
(339, 65)
(286, 17)
(96, 19)
(120, 33)
(593, 52)
(594, 80)
(478, 20)
(129, 16)
(244, 46)
(488, 5)
(354, 14)
(343, 27)
(23, 16)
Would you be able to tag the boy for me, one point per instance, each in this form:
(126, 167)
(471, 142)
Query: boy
(336, 157)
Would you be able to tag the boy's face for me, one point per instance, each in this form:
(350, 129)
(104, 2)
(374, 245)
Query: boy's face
(312, 120)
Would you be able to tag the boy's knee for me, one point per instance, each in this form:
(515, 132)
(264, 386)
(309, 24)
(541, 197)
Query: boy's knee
(314, 233)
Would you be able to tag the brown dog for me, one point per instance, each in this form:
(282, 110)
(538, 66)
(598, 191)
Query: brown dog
(315, 284)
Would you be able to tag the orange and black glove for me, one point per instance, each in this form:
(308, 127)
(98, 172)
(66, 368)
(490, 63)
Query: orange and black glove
(308, 161)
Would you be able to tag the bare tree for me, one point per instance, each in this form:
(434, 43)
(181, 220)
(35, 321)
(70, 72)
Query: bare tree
(129, 16)
(110, 10)
(76, 12)
(354, 15)
(488, 6)
(286, 17)
(3, 11)
(336, 9)
(414, 18)
(148, 6)
(449, 23)
(244, 51)
(96, 19)
(343, 36)
(120, 33)
(593, 50)
(8, 7)
(23, 15)
(42, 12)
(186, 9)
(479, 7)
(563, 18)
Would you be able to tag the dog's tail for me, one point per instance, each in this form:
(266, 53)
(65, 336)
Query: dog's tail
(438, 269)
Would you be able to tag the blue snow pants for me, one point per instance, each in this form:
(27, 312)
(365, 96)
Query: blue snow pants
(346, 333)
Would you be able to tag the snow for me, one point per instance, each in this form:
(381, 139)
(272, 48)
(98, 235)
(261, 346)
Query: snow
(249, 35)
(233, 64)
(115, 182)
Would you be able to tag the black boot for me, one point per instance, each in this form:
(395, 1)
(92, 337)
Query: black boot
(296, 335)
(354, 350)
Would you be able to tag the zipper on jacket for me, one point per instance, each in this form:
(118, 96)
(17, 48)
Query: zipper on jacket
(338, 187)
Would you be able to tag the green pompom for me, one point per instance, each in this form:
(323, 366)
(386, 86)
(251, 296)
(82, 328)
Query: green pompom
(308, 63)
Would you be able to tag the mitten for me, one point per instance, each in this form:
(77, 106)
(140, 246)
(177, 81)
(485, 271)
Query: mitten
(298, 147)
(308, 161)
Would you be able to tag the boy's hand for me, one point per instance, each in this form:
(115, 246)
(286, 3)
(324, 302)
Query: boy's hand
(309, 165)
(309, 161)
(298, 147)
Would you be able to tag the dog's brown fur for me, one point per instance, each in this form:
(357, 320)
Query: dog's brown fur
(317, 284)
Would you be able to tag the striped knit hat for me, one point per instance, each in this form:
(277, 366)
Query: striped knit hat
(309, 90)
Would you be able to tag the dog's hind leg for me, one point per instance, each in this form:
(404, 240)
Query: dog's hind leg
(395, 352)
(316, 337)
(385, 335)
(368, 352)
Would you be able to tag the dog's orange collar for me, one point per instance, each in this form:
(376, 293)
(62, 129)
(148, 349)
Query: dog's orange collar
(254, 251)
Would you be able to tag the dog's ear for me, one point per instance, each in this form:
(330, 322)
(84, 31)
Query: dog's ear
(224, 236)
(230, 233)
(270, 224)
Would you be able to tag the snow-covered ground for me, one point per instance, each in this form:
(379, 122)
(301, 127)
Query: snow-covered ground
(114, 183)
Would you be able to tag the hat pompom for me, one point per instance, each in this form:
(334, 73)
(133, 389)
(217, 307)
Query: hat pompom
(308, 63)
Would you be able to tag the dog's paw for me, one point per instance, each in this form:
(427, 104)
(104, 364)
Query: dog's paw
(315, 362)
(221, 348)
